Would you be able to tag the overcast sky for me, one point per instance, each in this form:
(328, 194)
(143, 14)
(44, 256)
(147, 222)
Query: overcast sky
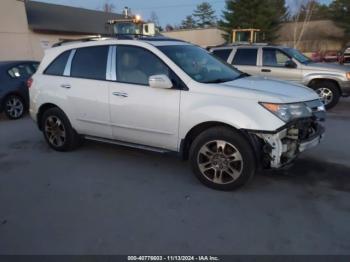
(168, 11)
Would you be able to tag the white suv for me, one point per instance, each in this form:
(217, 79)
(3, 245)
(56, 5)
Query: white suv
(171, 96)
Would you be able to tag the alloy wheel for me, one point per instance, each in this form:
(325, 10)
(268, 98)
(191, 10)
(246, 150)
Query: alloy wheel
(220, 162)
(14, 107)
(55, 131)
(325, 94)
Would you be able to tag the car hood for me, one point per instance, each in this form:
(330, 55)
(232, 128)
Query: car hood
(327, 67)
(269, 90)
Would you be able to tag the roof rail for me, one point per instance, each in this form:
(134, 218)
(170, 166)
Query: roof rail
(145, 37)
(248, 43)
(84, 39)
(117, 36)
(240, 44)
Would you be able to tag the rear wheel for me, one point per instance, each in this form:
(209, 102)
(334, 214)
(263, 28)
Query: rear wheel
(328, 92)
(58, 131)
(222, 159)
(14, 107)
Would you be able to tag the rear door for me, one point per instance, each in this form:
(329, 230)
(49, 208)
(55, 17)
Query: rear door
(87, 90)
(246, 59)
(274, 65)
(82, 89)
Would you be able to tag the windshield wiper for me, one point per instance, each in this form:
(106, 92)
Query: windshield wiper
(219, 80)
(242, 75)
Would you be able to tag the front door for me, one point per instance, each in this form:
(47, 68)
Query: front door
(141, 114)
(275, 65)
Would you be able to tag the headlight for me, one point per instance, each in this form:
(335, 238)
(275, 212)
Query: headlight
(288, 112)
(348, 75)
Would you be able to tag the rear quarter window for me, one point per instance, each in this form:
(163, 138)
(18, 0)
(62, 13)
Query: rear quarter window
(245, 56)
(223, 54)
(57, 67)
(21, 71)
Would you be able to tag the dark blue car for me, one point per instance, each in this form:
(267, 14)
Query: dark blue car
(14, 95)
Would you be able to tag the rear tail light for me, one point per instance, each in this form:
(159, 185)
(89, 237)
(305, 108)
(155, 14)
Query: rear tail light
(29, 82)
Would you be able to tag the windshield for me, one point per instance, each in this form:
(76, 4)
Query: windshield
(200, 65)
(125, 28)
(297, 55)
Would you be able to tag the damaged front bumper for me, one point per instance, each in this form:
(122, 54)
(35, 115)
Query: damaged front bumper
(283, 146)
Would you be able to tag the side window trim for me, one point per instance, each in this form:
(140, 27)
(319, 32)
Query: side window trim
(109, 64)
(68, 67)
(114, 63)
(111, 73)
(259, 61)
(231, 56)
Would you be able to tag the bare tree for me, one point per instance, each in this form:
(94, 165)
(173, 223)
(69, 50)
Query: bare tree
(154, 18)
(108, 7)
(304, 11)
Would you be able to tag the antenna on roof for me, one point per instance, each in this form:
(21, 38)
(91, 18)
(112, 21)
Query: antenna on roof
(126, 12)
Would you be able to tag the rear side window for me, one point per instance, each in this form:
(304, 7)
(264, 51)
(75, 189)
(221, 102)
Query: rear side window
(90, 63)
(21, 71)
(245, 56)
(223, 54)
(57, 67)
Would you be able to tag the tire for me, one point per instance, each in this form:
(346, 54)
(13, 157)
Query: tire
(222, 169)
(58, 131)
(328, 92)
(14, 107)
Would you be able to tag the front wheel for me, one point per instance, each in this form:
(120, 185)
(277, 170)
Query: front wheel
(222, 159)
(328, 92)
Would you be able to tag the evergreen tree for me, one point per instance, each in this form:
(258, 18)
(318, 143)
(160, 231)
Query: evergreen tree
(340, 13)
(265, 15)
(188, 22)
(204, 15)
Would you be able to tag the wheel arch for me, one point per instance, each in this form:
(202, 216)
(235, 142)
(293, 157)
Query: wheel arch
(191, 135)
(42, 109)
(315, 81)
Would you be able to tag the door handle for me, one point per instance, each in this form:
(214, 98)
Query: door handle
(120, 94)
(67, 86)
(266, 70)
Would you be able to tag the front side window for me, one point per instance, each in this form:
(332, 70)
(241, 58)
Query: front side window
(90, 63)
(135, 65)
(223, 54)
(199, 64)
(246, 56)
(57, 67)
(21, 71)
(274, 57)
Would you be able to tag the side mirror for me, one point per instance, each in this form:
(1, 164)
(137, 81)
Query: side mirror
(290, 64)
(160, 81)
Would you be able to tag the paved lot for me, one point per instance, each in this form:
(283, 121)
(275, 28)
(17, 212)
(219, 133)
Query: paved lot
(104, 199)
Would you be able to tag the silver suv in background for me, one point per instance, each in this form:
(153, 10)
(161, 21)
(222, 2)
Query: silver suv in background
(330, 81)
